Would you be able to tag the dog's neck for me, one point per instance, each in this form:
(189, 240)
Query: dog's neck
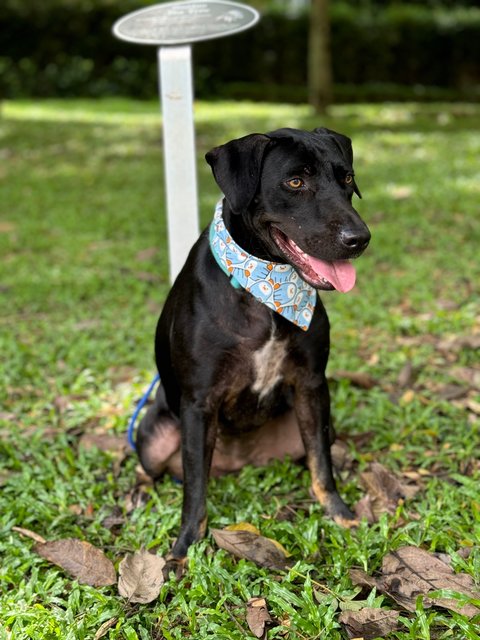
(276, 285)
(242, 229)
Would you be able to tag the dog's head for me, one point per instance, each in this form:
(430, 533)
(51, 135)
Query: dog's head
(294, 190)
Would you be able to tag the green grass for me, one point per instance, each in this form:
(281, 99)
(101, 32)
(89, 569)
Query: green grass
(81, 200)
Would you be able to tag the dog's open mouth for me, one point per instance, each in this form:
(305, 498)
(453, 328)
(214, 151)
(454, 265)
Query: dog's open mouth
(321, 274)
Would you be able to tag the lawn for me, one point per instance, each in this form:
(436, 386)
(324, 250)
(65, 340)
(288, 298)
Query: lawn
(83, 277)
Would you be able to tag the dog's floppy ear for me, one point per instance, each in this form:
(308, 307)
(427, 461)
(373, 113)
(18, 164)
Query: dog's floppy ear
(344, 144)
(236, 167)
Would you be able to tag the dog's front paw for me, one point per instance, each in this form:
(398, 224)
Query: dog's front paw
(349, 522)
(340, 513)
(177, 566)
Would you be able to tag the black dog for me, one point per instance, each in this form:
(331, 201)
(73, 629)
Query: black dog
(243, 339)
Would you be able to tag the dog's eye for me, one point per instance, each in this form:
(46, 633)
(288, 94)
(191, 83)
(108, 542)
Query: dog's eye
(349, 179)
(295, 183)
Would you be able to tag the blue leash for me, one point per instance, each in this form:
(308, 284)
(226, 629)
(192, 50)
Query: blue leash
(140, 405)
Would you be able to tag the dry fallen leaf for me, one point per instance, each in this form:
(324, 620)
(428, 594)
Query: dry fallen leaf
(400, 191)
(411, 571)
(465, 552)
(63, 403)
(469, 375)
(407, 397)
(4, 475)
(243, 526)
(357, 378)
(455, 343)
(407, 376)
(114, 520)
(80, 559)
(105, 627)
(473, 406)
(258, 617)
(146, 276)
(252, 546)
(146, 254)
(451, 391)
(384, 493)
(140, 576)
(342, 459)
(369, 623)
(29, 534)
(246, 526)
(139, 495)
(7, 227)
(105, 442)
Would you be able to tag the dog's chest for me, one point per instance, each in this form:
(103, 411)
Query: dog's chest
(267, 365)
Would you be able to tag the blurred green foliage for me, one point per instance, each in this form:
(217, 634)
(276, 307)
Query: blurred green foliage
(66, 48)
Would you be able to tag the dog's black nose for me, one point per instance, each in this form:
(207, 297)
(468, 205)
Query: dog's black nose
(356, 240)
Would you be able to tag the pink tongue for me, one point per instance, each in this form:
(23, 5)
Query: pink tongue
(341, 274)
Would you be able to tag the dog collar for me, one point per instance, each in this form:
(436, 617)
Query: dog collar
(276, 285)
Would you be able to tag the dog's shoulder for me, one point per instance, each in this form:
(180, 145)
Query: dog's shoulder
(204, 293)
(200, 276)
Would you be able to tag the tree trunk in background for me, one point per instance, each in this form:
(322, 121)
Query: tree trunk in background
(320, 92)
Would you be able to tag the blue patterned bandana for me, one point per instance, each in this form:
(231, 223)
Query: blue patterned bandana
(276, 285)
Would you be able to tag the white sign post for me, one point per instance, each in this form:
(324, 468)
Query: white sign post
(179, 151)
(173, 26)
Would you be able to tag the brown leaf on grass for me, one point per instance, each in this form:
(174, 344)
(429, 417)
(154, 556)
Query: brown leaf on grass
(146, 254)
(141, 576)
(369, 623)
(465, 552)
(4, 475)
(105, 627)
(289, 512)
(243, 526)
(400, 191)
(136, 498)
(29, 534)
(384, 493)
(146, 276)
(76, 509)
(468, 375)
(87, 324)
(360, 578)
(114, 520)
(365, 509)
(357, 378)
(258, 617)
(139, 495)
(121, 374)
(468, 467)
(456, 343)
(410, 572)
(105, 442)
(342, 459)
(80, 559)
(407, 376)
(473, 406)
(361, 440)
(7, 227)
(252, 546)
(63, 403)
(451, 391)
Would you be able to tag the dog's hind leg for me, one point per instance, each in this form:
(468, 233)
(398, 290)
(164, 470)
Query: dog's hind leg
(158, 437)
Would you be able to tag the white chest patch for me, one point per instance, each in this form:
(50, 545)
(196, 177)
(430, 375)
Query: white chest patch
(267, 366)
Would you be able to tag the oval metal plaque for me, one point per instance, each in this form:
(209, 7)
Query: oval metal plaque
(185, 21)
